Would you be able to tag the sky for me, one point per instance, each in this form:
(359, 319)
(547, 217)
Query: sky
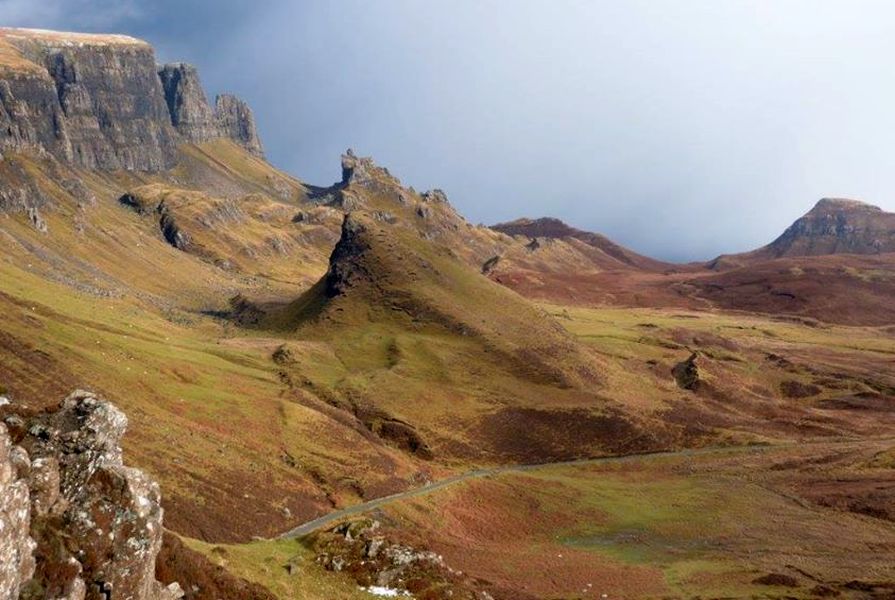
(681, 128)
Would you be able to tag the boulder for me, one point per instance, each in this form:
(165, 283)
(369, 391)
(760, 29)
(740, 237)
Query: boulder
(76, 522)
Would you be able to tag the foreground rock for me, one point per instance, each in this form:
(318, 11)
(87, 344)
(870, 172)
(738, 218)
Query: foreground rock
(365, 552)
(75, 523)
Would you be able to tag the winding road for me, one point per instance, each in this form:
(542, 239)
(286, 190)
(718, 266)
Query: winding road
(339, 515)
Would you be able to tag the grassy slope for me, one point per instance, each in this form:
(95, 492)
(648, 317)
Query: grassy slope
(101, 301)
(286, 568)
(671, 527)
(707, 525)
(433, 343)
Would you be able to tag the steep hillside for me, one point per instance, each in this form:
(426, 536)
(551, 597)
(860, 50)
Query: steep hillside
(440, 361)
(116, 280)
(111, 277)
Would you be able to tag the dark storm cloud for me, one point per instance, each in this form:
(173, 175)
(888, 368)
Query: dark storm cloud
(682, 128)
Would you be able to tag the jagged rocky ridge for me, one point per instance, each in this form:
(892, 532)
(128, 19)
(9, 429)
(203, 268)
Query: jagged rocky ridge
(100, 102)
(75, 522)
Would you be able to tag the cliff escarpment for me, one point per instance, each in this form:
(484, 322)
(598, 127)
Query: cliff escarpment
(101, 102)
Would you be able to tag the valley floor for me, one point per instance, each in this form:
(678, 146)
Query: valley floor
(761, 521)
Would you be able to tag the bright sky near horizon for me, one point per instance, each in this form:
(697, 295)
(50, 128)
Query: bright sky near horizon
(681, 128)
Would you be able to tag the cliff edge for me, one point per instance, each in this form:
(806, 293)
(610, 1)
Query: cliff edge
(101, 102)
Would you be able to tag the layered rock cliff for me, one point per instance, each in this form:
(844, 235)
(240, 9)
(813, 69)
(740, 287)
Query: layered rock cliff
(74, 521)
(196, 120)
(190, 113)
(837, 226)
(834, 226)
(100, 102)
(237, 122)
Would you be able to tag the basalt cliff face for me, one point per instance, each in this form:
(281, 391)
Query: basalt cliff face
(101, 102)
(76, 522)
(196, 120)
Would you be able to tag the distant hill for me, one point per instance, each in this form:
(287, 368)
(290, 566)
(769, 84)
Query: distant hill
(833, 226)
(610, 256)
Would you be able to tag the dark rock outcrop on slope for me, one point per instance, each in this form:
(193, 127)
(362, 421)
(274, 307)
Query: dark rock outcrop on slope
(686, 373)
(76, 523)
(346, 266)
(99, 102)
(167, 222)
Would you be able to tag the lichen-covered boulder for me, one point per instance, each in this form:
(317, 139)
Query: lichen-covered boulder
(16, 544)
(95, 525)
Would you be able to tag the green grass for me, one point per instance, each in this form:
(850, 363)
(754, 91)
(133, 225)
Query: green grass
(266, 563)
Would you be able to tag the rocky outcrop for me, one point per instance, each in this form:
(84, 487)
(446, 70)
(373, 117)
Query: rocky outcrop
(686, 373)
(20, 192)
(834, 226)
(362, 170)
(197, 121)
(435, 195)
(75, 522)
(237, 122)
(363, 550)
(191, 115)
(99, 102)
(16, 544)
(345, 268)
(167, 222)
